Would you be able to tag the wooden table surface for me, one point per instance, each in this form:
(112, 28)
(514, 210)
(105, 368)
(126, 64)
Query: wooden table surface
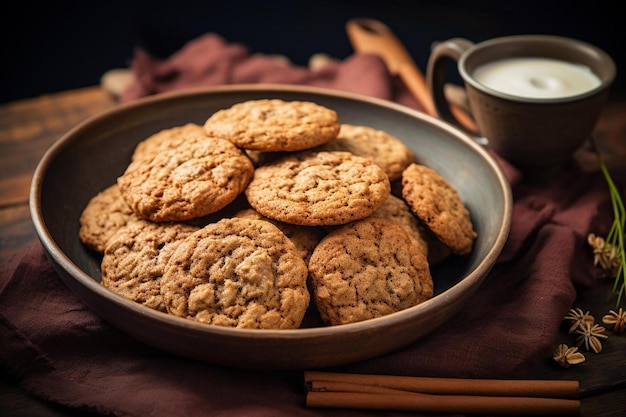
(29, 127)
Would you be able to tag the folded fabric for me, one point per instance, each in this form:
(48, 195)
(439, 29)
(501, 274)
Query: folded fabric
(210, 60)
(59, 350)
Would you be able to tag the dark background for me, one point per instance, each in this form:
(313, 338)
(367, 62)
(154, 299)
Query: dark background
(53, 46)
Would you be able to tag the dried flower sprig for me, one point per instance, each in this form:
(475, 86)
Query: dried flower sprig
(617, 319)
(576, 317)
(567, 356)
(616, 236)
(605, 255)
(590, 334)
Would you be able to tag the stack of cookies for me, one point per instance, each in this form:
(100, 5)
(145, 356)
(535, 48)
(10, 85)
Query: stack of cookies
(271, 210)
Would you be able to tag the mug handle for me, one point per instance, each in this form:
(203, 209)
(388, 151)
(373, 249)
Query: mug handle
(435, 79)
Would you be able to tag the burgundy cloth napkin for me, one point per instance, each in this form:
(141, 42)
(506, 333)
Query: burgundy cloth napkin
(61, 351)
(210, 60)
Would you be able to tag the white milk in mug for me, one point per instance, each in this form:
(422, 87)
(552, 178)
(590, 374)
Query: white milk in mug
(536, 77)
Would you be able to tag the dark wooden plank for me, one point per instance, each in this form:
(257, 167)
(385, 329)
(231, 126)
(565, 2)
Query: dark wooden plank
(612, 404)
(27, 129)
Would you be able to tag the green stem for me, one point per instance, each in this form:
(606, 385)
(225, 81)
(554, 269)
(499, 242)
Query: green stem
(615, 236)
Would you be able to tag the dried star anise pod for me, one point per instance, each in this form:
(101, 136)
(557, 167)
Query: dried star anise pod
(576, 317)
(604, 254)
(567, 356)
(590, 335)
(616, 319)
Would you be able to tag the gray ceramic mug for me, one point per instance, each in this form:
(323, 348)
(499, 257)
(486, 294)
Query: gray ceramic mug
(537, 134)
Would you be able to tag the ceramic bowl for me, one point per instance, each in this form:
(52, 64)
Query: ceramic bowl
(92, 155)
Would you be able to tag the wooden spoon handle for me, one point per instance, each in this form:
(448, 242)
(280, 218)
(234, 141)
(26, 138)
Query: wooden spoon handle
(373, 36)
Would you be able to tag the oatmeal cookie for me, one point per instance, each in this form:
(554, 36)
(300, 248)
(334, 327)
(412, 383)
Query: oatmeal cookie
(167, 139)
(104, 214)
(368, 269)
(237, 273)
(318, 188)
(386, 150)
(274, 125)
(439, 206)
(396, 209)
(135, 259)
(304, 237)
(186, 182)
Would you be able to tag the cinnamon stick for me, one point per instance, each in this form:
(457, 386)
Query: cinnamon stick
(444, 403)
(454, 386)
(342, 386)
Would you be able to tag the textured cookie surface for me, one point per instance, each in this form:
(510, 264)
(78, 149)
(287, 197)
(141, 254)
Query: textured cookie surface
(304, 237)
(167, 139)
(237, 273)
(386, 150)
(104, 214)
(318, 188)
(368, 269)
(186, 182)
(439, 206)
(396, 209)
(135, 258)
(274, 125)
